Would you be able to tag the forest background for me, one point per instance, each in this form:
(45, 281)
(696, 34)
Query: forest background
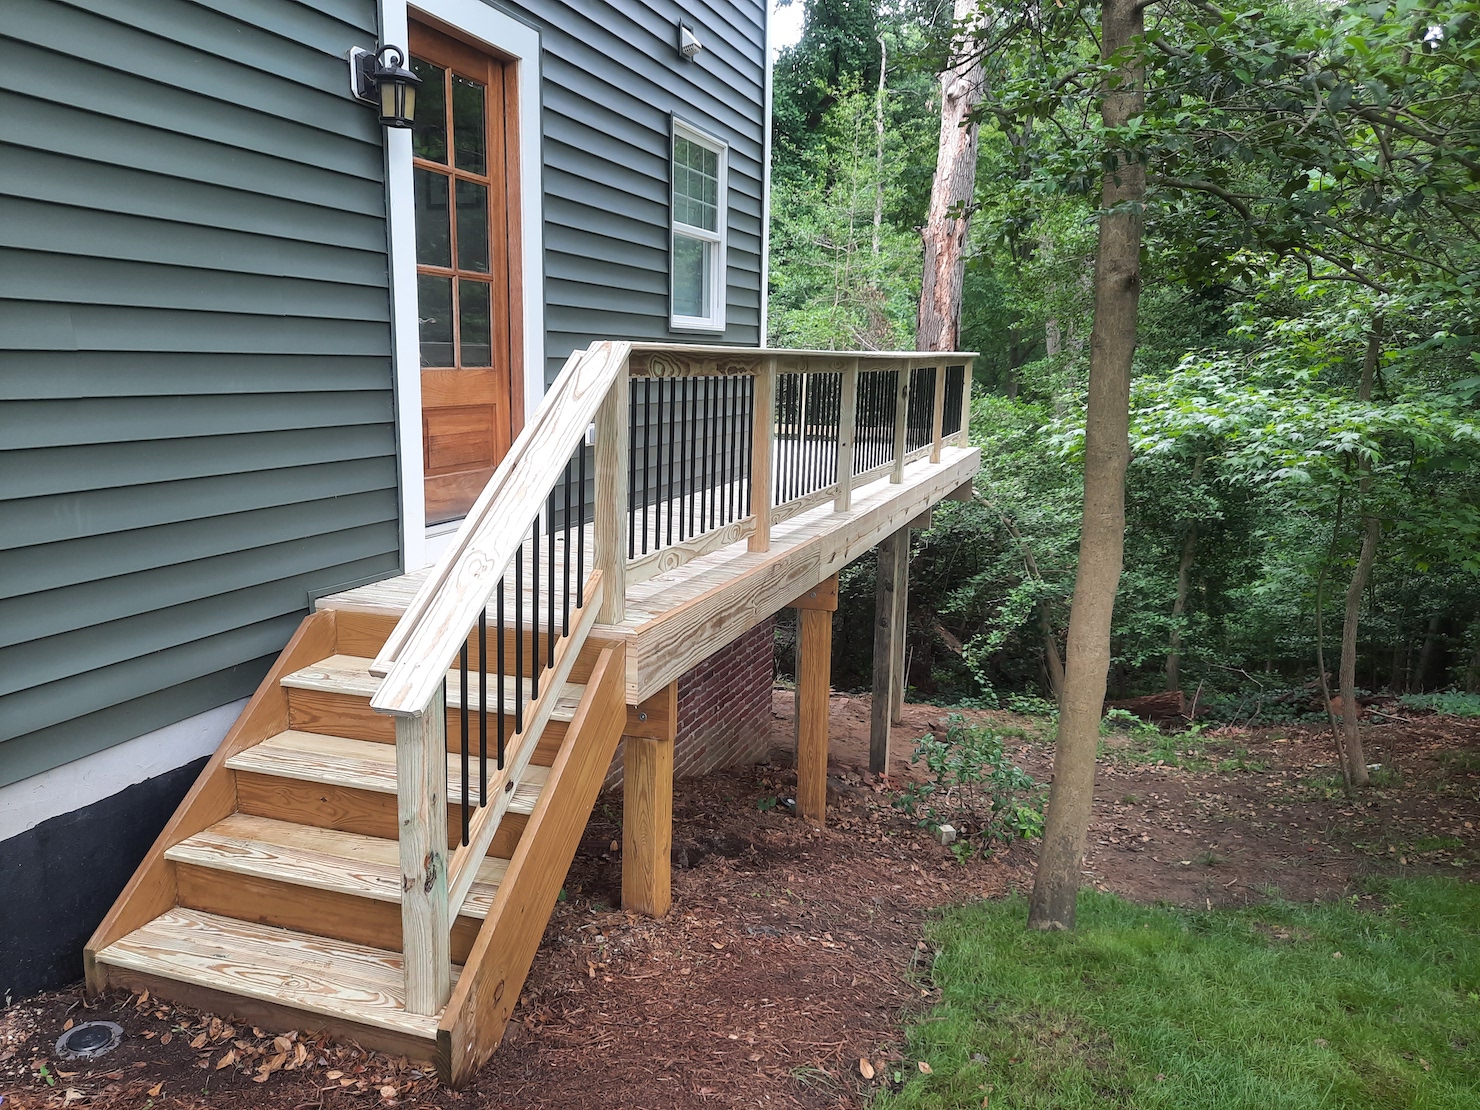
(1295, 237)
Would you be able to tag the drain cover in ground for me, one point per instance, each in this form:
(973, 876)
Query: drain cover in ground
(89, 1040)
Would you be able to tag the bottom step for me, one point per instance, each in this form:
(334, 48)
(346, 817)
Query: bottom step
(297, 971)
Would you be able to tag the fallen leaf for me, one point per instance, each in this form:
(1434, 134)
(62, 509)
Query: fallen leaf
(67, 1026)
(166, 1038)
(300, 1056)
(282, 1044)
(925, 1068)
(227, 1060)
(333, 1074)
(72, 1095)
(388, 1092)
(143, 999)
(154, 1090)
(198, 1041)
(346, 1082)
(865, 1069)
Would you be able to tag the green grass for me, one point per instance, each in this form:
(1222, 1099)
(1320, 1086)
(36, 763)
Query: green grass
(1157, 1007)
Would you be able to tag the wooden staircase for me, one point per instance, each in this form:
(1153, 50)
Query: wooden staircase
(350, 861)
(274, 894)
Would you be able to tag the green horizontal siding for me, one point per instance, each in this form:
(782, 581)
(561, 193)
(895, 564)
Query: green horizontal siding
(612, 77)
(197, 430)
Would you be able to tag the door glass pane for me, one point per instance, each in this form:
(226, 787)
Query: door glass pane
(469, 135)
(690, 276)
(429, 133)
(434, 307)
(433, 222)
(475, 322)
(472, 226)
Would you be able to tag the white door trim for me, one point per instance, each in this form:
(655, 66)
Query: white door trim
(505, 35)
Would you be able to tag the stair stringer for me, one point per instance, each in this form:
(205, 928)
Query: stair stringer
(152, 890)
(488, 989)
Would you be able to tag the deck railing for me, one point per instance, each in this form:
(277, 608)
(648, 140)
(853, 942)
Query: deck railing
(639, 459)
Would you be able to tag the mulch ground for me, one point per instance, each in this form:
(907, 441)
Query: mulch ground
(793, 954)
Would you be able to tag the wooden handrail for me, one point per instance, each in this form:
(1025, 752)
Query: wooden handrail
(434, 627)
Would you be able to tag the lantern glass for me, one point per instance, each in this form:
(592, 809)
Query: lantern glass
(397, 101)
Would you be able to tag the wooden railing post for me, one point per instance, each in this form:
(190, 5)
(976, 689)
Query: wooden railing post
(421, 810)
(901, 419)
(963, 437)
(938, 414)
(761, 453)
(609, 529)
(847, 428)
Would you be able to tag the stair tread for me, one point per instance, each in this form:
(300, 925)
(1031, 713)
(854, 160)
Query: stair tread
(324, 859)
(330, 977)
(350, 674)
(363, 765)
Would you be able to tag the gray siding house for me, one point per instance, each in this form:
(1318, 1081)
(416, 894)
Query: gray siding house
(256, 347)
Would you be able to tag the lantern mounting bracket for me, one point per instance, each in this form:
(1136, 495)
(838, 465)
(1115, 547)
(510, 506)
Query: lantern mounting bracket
(372, 74)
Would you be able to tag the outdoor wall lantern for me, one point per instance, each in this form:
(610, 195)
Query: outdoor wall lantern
(383, 79)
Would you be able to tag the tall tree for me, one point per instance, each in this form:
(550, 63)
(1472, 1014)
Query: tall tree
(1106, 456)
(948, 221)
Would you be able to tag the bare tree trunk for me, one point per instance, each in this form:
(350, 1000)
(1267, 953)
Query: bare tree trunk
(1472, 672)
(1426, 654)
(1184, 573)
(951, 193)
(1053, 664)
(1106, 455)
(879, 146)
(1351, 734)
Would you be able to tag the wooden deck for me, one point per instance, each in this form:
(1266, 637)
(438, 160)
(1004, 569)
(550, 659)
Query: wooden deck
(677, 618)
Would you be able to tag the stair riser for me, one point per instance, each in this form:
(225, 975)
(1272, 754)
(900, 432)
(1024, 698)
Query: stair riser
(364, 634)
(366, 812)
(351, 716)
(323, 913)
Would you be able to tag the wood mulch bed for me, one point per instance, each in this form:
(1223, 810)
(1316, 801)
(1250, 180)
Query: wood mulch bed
(792, 954)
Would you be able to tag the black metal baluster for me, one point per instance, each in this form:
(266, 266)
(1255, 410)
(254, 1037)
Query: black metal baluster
(550, 580)
(565, 597)
(647, 432)
(690, 391)
(747, 442)
(483, 704)
(631, 481)
(462, 680)
(534, 611)
(581, 534)
(731, 477)
(668, 491)
(518, 644)
(502, 666)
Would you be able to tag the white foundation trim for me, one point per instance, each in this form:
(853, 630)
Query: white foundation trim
(505, 35)
(75, 785)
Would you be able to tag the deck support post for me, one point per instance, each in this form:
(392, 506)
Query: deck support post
(814, 685)
(421, 811)
(763, 427)
(609, 529)
(647, 803)
(893, 571)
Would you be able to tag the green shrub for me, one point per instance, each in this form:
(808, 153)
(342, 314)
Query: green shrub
(974, 787)
(1451, 703)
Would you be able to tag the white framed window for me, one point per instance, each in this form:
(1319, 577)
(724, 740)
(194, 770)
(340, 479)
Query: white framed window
(700, 208)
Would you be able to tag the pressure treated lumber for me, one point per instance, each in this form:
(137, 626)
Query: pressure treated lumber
(898, 628)
(421, 810)
(762, 447)
(485, 995)
(151, 890)
(814, 673)
(892, 568)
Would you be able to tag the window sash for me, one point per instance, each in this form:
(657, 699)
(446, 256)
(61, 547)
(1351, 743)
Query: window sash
(713, 276)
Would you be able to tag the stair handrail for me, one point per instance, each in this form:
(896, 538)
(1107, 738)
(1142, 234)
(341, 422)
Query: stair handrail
(416, 656)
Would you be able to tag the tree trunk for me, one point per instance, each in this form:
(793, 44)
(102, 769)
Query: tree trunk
(1106, 455)
(1053, 664)
(879, 146)
(1426, 654)
(1184, 574)
(1472, 673)
(949, 216)
(1351, 734)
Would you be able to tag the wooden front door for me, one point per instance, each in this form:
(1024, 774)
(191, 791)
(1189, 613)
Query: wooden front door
(464, 159)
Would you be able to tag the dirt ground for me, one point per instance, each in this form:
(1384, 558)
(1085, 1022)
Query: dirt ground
(791, 954)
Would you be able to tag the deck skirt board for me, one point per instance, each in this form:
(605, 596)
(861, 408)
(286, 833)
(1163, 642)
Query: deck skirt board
(363, 765)
(322, 859)
(333, 978)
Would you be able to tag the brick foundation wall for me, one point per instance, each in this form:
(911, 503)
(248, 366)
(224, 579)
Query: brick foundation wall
(724, 708)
